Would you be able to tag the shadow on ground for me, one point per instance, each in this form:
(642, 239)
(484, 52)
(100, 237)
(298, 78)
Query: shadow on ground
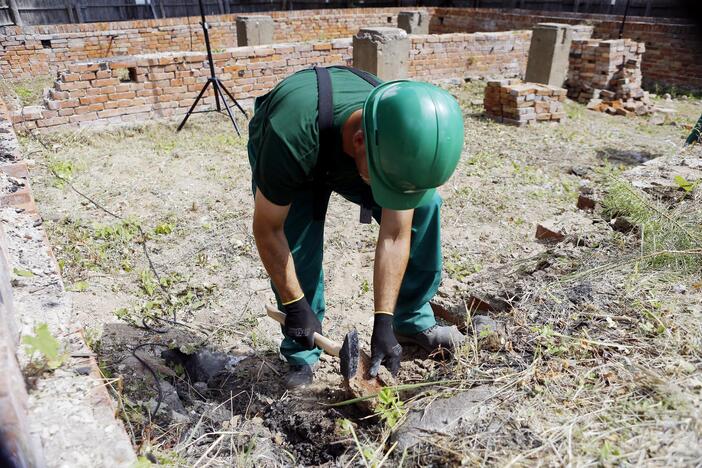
(626, 157)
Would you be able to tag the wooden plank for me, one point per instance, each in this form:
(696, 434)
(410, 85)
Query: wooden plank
(14, 12)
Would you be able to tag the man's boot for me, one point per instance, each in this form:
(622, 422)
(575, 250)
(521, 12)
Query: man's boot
(433, 338)
(300, 375)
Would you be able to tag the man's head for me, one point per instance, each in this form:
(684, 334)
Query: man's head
(409, 142)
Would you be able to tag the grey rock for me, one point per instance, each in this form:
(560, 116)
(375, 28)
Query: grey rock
(442, 416)
(203, 364)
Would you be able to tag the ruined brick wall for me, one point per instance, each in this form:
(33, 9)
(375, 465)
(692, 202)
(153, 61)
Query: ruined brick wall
(673, 48)
(139, 88)
(37, 50)
(119, 90)
(501, 54)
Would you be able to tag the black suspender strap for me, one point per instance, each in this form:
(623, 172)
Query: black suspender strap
(325, 109)
(325, 117)
(325, 120)
(361, 74)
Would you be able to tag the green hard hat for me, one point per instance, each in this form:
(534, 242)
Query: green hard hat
(414, 137)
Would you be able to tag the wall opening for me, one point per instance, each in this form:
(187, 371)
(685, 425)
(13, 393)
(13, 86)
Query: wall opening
(126, 75)
(46, 43)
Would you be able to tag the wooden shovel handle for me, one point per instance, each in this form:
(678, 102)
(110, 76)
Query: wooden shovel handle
(329, 346)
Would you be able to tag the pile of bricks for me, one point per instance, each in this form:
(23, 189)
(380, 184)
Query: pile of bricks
(517, 103)
(606, 75)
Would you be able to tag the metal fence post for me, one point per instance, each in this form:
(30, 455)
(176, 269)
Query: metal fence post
(14, 12)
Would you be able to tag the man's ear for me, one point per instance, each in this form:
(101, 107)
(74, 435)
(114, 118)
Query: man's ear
(358, 139)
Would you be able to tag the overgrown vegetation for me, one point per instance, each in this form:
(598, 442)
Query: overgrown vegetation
(25, 92)
(670, 234)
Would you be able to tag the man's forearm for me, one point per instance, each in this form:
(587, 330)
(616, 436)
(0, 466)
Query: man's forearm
(391, 256)
(276, 258)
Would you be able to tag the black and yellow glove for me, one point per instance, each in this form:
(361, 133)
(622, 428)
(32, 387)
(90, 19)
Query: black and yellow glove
(300, 322)
(385, 349)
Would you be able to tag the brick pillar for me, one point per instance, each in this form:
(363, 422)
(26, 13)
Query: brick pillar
(254, 30)
(382, 51)
(414, 22)
(582, 32)
(548, 54)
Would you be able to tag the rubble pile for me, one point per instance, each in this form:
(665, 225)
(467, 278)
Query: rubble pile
(517, 103)
(606, 75)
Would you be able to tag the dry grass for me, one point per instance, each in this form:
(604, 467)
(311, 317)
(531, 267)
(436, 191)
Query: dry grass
(602, 360)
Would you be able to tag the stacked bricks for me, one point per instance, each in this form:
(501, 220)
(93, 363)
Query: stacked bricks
(674, 46)
(140, 88)
(35, 50)
(517, 103)
(606, 75)
(479, 55)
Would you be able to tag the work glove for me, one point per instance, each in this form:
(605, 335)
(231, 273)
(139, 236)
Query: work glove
(385, 349)
(301, 323)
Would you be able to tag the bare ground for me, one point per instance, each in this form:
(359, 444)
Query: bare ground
(598, 365)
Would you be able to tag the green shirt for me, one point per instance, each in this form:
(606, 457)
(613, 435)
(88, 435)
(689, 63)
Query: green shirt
(284, 136)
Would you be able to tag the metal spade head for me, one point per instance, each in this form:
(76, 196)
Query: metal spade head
(349, 355)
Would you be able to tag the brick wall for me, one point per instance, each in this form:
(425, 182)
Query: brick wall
(113, 91)
(673, 46)
(37, 50)
(438, 56)
(129, 89)
(674, 54)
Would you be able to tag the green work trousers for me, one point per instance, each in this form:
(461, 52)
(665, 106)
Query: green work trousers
(413, 313)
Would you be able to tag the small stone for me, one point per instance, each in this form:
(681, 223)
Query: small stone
(679, 289)
(657, 119)
(667, 97)
(579, 171)
(490, 334)
(621, 224)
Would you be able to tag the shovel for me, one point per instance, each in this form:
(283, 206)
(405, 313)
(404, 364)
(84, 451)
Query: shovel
(354, 362)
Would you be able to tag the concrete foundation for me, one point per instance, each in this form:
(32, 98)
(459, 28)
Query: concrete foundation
(254, 30)
(413, 22)
(382, 51)
(548, 54)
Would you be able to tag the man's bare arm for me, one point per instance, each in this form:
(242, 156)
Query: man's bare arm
(273, 248)
(391, 256)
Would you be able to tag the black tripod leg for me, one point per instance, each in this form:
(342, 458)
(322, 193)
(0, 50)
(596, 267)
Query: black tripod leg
(190, 111)
(218, 93)
(234, 100)
(218, 85)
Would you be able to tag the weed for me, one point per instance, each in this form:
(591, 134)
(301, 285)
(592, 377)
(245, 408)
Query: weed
(61, 170)
(164, 228)
(370, 456)
(669, 237)
(22, 272)
(390, 407)
(44, 343)
(685, 184)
